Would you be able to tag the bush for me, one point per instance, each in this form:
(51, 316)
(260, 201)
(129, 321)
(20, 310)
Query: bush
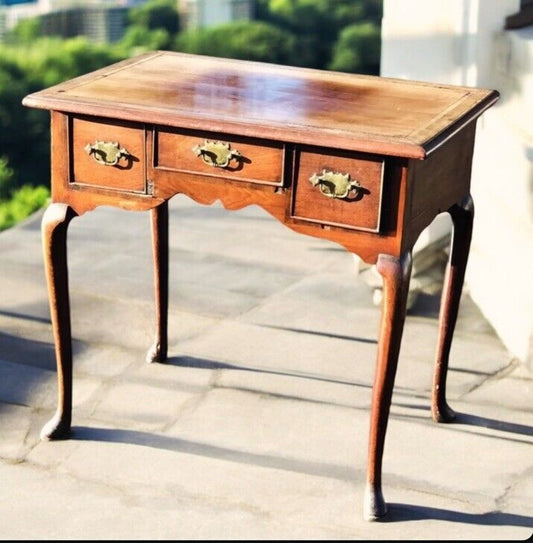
(138, 39)
(156, 15)
(22, 204)
(25, 132)
(358, 49)
(6, 178)
(245, 40)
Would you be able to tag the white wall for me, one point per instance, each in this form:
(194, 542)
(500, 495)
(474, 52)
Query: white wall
(500, 272)
(463, 42)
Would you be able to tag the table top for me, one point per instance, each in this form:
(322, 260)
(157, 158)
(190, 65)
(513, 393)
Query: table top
(354, 112)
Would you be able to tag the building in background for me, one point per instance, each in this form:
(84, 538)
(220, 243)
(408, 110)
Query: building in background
(98, 20)
(13, 11)
(102, 20)
(204, 13)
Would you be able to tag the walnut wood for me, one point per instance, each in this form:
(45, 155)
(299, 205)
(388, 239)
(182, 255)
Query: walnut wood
(276, 201)
(409, 144)
(54, 237)
(462, 216)
(437, 183)
(360, 113)
(128, 174)
(260, 162)
(82, 198)
(396, 273)
(159, 216)
(361, 211)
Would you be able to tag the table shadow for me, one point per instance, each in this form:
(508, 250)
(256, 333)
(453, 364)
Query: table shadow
(398, 512)
(468, 419)
(401, 512)
(208, 364)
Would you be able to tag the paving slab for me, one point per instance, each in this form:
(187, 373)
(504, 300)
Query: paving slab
(256, 427)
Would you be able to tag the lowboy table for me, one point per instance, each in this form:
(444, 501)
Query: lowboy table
(363, 161)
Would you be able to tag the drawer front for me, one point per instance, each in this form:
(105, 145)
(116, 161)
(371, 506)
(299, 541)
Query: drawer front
(338, 189)
(107, 154)
(219, 155)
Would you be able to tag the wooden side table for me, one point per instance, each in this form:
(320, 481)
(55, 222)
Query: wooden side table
(366, 162)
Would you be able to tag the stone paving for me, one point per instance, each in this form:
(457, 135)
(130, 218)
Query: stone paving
(256, 428)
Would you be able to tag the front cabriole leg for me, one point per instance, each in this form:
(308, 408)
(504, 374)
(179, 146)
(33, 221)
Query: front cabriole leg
(396, 273)
(54, 228)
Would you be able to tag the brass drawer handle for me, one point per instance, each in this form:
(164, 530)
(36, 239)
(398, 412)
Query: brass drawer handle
(216, 153)
(107, 153)
(335, 184)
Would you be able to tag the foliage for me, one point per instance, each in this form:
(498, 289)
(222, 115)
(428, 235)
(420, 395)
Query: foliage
(357, 49)
(139, 39)
(48, 61)
(25, 31)
(248, 40)
(23, 202)
(339, 12)
(25, 68)
(156, 15)
(6, 177)
(152, 26)
(318, 23)
(15, 132)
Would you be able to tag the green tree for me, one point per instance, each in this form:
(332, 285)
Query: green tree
(25, 31)
(14, 129)
(23, 202)
(248, 40)
(6, 178)
(156, 14)
(52, 60)
(308, 21)
(151, 26)
(302, 13)
(24, 68)
(138, 39)
(358, 50)
(318, 23)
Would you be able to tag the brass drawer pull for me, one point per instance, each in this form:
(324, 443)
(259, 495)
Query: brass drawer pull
(335, 184)
(107, 153)
(216, 153)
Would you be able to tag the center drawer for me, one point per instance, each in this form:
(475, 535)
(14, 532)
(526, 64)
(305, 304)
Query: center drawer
(218, 155)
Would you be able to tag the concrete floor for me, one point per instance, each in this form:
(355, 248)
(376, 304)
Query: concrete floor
(256, 428)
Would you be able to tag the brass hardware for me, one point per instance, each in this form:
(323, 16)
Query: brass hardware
(334, 184)
(107, 153)
(216, 153)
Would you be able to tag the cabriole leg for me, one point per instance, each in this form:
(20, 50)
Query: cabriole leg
(462, 216)
(396, 273)
(159, 216)
(54, 238)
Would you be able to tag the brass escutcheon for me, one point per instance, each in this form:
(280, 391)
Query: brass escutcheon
(216, 153)
(107, 153)
(334, 184)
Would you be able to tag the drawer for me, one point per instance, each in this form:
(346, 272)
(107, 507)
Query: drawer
(338, 188)
(219, 155)
(107, 154)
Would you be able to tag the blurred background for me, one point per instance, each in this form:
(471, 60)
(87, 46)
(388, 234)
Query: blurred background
(482, 43)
